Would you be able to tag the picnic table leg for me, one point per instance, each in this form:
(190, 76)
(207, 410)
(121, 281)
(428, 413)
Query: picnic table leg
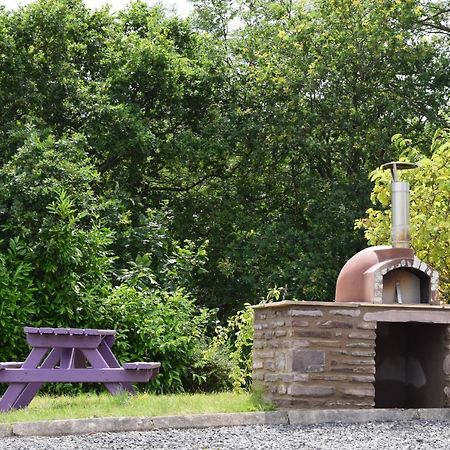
(32, 389)
(14, 389)
(98, 362)
(106, 353)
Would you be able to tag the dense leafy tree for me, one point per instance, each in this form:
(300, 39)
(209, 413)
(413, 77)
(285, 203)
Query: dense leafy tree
(200, 161)
(320, 88)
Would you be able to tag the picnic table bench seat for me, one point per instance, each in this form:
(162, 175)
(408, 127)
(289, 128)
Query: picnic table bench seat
(11, 365)
(126, 366)
(142, 365)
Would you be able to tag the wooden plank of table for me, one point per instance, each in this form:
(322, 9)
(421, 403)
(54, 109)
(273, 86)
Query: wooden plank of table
(11, 365)
(63, 341)
(32, 389)
(74, 331)
(13, 391)
(109, 358)
(142, 365)
(120, 375)
(97, 361)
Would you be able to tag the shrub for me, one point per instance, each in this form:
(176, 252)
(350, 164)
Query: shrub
(154, 325)
(17, 305)
(64, 275)
(47, 201)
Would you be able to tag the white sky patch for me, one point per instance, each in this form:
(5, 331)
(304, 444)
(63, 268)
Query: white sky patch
(181, 7)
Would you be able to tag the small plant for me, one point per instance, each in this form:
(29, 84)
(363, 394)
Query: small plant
(236, 340)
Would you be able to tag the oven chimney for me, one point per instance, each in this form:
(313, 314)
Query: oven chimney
(390, 274)
(400, 234)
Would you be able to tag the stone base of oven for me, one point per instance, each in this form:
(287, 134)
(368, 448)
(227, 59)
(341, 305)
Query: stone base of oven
(352, 355)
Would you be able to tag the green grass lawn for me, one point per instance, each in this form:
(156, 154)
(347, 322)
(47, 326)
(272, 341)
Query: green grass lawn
(105, 405)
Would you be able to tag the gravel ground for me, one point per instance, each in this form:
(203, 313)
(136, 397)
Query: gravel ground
(412, 435)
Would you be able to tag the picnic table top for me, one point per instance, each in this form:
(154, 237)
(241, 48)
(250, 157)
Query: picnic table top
(69, 331)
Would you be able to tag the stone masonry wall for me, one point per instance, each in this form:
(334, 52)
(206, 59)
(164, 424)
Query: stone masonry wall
(322, 355)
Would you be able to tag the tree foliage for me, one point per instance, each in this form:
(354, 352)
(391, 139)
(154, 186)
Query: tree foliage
(154, 164)
(320, 88)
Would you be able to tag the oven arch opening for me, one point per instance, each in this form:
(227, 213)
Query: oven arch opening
(406, 286)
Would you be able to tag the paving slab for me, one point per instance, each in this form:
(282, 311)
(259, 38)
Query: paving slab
(82, 426)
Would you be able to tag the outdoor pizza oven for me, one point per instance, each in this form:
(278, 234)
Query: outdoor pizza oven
(384, 342)
(390, 274)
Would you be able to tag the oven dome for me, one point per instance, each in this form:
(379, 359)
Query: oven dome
(384, 274)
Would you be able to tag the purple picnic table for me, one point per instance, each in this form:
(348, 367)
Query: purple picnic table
(69, 355)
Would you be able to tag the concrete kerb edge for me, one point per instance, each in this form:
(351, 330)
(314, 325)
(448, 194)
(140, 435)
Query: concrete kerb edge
(6, 430)
(121, 424)
(285, 417)
(309, 417)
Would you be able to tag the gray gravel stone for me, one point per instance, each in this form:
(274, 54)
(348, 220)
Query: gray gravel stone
(409, 435)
